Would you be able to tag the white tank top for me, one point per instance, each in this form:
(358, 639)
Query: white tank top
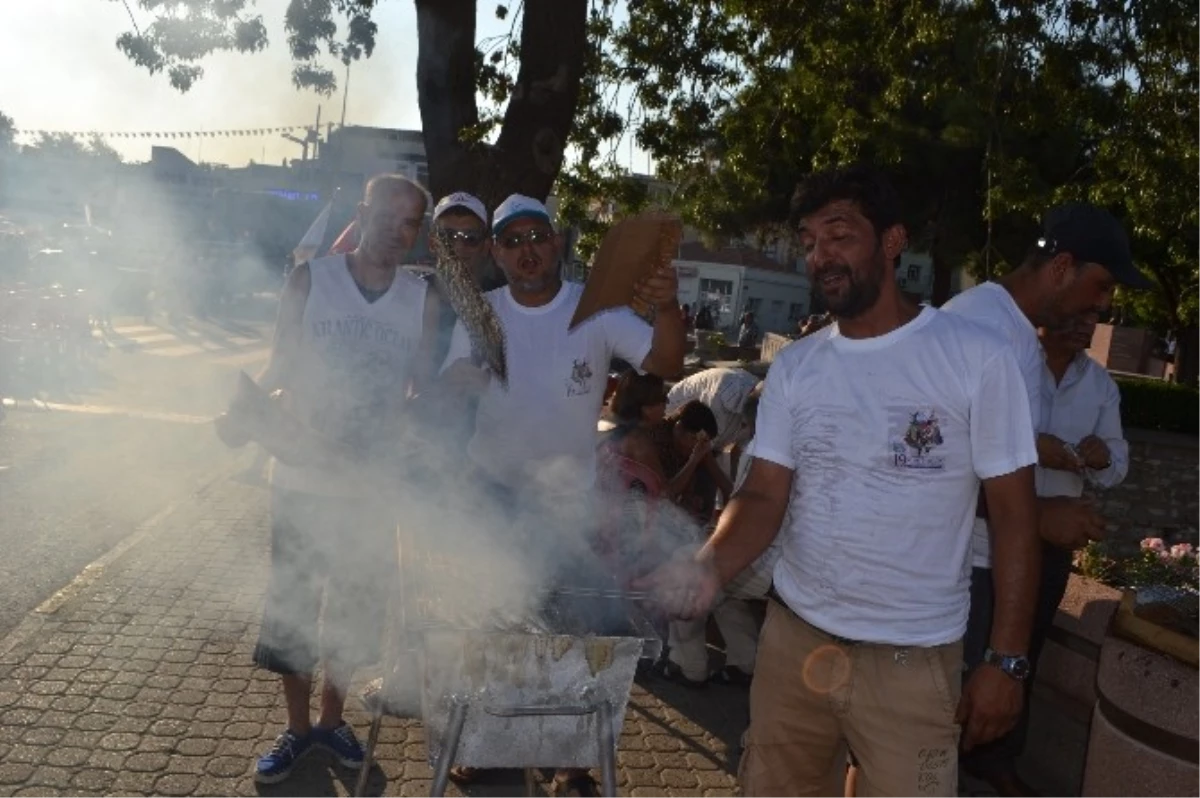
(353, 365)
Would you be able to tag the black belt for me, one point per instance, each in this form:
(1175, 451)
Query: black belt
(773, 595)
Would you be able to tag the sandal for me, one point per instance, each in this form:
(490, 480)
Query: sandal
(574, 781)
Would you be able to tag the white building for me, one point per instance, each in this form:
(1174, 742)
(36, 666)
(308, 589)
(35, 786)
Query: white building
(777, 298)
(356, 154)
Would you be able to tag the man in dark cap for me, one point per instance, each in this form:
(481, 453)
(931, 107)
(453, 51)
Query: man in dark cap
(1070, 272)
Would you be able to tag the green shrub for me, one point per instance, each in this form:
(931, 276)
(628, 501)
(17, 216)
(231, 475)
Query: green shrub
(1157, 404)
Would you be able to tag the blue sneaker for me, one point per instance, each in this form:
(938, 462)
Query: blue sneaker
(342, 743)
(276, 765)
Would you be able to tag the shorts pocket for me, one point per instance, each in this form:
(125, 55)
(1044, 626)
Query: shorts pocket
(945, 672)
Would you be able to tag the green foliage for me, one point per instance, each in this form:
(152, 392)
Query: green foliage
(1159, 405)
(1155, 564)
(8, 132)
(184, 32)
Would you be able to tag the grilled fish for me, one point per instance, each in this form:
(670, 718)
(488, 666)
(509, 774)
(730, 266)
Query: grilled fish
(470, 305)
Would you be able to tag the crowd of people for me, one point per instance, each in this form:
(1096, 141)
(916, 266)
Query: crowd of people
(902, 491)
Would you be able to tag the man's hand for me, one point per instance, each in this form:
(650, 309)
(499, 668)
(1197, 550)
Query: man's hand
(703, 447)
(660, 289)
(990, 705)
(466, 377)
(1095, 453)
(1068, 523)
(684, 587)
(1055, 454)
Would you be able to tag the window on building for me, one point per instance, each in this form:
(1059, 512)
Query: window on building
(716, 286)
(754, 304)
(795, 311)
(914, 271)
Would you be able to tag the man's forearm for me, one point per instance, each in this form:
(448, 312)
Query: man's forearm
(747, 527)
(1016, 574)
(668, 343)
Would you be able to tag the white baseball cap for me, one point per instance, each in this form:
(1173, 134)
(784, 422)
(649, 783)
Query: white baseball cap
(518, 206)
(461, 199)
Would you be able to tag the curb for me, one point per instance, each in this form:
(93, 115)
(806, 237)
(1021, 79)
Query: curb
(33, 623)
(33, 404)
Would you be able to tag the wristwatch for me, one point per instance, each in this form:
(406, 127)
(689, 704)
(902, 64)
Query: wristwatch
(1015, 665)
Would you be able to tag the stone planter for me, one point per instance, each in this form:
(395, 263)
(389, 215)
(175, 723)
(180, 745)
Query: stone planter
(1072, 653)
(1144, 732)
(1064, 692)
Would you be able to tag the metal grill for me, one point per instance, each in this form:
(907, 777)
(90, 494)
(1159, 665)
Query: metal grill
(540, 683)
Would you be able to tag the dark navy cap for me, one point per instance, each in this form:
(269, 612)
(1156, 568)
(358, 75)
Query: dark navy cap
(1092, 235)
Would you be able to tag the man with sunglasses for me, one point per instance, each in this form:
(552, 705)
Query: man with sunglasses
(462, 219)
(533, 450)
(1071, 272)
(544, 419)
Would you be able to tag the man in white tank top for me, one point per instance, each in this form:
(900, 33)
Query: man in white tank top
(353, 340)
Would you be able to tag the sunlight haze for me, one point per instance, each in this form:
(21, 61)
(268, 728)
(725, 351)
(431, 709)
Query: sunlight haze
(75, 79)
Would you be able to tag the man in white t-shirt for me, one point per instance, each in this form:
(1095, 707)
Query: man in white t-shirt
(872, 438)
(540, 427)
(534, 445)
(1071, 272)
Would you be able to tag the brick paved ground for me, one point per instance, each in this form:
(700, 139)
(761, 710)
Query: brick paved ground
(137, 680)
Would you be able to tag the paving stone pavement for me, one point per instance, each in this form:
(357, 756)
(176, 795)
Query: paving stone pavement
(138, 681)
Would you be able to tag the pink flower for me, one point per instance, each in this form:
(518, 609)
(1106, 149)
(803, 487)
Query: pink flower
(1181, 550)
(1154, 544)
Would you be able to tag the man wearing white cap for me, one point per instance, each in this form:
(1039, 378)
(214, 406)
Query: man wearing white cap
(462, 219)
(534, 444)
(545, 418)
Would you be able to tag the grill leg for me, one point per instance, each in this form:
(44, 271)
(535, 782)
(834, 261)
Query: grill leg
(441, 774)
(608, 749)
(360, 787)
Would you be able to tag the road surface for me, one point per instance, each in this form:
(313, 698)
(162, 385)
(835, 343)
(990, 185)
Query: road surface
(83, 464)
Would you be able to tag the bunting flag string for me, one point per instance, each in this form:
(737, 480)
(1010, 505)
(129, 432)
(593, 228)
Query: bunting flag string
(167, 134)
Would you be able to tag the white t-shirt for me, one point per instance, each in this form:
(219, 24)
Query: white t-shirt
(352, 368)
(991, 305)
(542, 427)
(724, 390)
(889, 438)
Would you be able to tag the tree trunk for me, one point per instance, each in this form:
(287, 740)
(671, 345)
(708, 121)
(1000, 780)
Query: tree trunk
(529, 151)
(1187, 356)
(942, 280)
(446, 93)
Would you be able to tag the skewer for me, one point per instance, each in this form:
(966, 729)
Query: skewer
(586, 592)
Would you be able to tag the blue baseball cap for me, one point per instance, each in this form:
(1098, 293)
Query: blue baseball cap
(518, 206)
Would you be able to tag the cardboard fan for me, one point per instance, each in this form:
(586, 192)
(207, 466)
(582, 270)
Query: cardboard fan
(633, 249)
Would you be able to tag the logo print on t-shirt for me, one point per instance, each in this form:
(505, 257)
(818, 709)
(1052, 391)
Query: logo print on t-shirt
(922, 435)
(580, 383)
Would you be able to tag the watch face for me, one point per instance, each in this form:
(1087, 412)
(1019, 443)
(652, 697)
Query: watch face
(1018, 667)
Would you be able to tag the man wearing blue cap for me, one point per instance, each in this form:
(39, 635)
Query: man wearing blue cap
(1071, 272)
(534, 442)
